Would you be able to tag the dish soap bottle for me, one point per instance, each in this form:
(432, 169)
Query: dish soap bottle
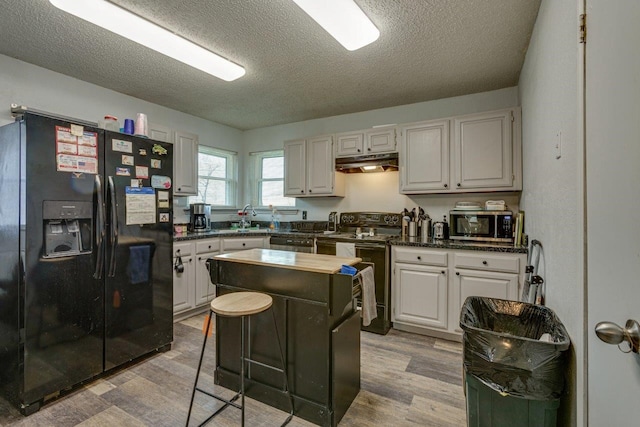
(275, 224)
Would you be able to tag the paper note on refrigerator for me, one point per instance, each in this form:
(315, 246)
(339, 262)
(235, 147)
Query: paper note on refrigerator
(140, 205)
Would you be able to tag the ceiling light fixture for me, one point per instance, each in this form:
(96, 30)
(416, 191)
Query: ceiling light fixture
(344, 20)
(126, 24)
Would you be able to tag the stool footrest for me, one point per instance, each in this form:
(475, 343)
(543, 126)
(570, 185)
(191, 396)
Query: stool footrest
(228, 402)
(264, 365)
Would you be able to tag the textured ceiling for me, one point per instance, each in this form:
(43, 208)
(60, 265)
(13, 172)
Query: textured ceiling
(428, 49)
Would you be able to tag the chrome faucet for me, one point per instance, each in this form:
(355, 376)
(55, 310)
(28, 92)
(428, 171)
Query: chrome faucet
(244, 222)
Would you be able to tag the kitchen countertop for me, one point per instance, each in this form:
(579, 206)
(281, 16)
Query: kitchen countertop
(398, 241)
(327, 264)
(225, 233)
(458, 244)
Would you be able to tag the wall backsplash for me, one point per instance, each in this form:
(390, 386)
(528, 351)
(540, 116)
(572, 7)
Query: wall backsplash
(380, 192)
(366, 192)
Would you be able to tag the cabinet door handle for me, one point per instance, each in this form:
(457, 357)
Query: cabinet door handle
(419, 258)
(244, 244)
(199, 258)
(446, 185)
(310, 191)
(179, 188)
(484, 262)
(443, 272)
(190, 260)
(369, 148)
(458, 184)
(209, 246)
(358, 150)
(457, 273)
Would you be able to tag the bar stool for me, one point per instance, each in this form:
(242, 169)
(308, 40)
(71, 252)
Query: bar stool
(243, 305)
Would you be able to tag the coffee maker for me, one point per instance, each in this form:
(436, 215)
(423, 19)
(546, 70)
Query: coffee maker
(200, 217)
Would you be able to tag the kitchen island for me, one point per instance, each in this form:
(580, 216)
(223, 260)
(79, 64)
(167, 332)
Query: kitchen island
(317, 322)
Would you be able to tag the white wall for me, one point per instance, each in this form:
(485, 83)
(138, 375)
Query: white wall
(42, 89)
(37, 87)
(553, 188)
(379, 191)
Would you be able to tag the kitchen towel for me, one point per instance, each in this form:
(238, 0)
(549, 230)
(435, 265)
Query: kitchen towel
(344, 249)
(139, 263)
(368, 285)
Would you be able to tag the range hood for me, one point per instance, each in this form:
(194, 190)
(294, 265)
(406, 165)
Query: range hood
(368, 163)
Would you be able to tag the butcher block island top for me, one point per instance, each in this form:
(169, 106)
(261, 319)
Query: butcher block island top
(327, 264)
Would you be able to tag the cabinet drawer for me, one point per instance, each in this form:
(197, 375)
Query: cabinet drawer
(509, 264)
(209, 245)
(244, 243)
(184, 248)
(420, 256)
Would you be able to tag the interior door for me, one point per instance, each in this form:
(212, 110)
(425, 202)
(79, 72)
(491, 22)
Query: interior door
(613, 167)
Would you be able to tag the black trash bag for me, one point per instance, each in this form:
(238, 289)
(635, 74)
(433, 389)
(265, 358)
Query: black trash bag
(502, 347)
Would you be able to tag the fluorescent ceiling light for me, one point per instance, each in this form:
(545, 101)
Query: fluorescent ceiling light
(343, 19)
(126, 24)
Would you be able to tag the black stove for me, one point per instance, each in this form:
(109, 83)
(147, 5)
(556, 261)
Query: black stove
(311, 227)
(367, 227)
(356, 238)
(369, 233)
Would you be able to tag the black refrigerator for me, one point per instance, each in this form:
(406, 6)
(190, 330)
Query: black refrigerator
(86, 231)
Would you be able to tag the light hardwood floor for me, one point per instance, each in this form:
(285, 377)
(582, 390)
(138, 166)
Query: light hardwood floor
(407, 380)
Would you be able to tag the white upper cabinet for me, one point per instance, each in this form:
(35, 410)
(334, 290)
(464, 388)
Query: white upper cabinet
(424, 157)
(483, 150)
(380, 141)
(160, 133)
(472, 153)
(185, 164)
(320, 166)
(373, 141)
(295, 155)
(349, 144)
(310, 170)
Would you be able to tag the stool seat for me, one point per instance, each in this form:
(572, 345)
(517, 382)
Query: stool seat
(242, 305)
(237, 304)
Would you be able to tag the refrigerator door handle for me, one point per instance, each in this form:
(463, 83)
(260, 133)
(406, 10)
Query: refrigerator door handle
(100, 229)
(113, 220)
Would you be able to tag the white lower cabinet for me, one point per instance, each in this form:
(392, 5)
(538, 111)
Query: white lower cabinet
(183, 281)
(429, 286)
(192, 288)
(233, 244)
(489, 284)
(421, 295)
(205, 290)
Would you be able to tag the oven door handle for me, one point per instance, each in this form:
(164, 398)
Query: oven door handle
(370, 246)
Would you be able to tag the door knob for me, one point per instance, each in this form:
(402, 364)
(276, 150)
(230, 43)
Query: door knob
(611, 333)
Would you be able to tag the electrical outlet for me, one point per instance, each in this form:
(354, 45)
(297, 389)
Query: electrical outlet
(558, 148)
(304, 214)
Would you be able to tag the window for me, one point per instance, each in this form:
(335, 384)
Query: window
(269, 179)
(216, 177)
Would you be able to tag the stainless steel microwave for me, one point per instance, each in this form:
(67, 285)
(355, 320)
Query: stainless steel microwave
(482, 226)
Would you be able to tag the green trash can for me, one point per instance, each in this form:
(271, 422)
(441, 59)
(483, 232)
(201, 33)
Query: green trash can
(514, 363)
